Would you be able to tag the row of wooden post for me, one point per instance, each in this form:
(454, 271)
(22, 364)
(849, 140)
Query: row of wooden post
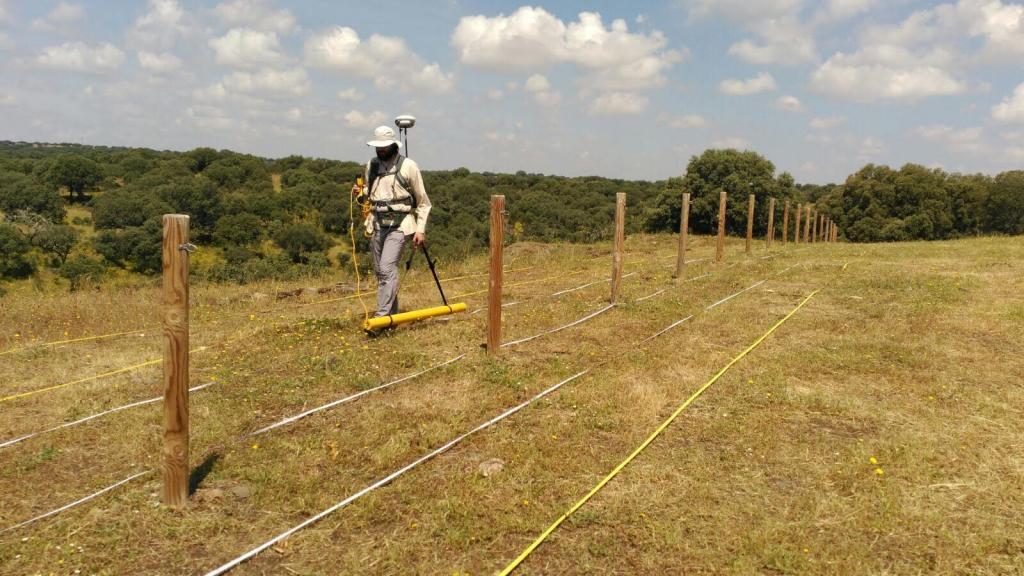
(823, 229)
(175, 296)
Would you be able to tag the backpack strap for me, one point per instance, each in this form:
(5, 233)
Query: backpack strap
(404, 182)
(375, 168)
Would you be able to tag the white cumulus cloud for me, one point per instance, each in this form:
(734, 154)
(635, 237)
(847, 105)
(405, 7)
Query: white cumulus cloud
(537, 83)
(963, 140)
(763, 82)
(368, 121)
(386, 59)
(685, 121)
(350, 95)
(161, 63)
(58, 19)
(958, 27)
(744, 11)
(160, 26)
(731, 142)
(783, 41)
(269, 83)
(1011, 109)
(257, 15)
(887, 72)
(618, 104)
(827, 122)
(789, 103)
(870, 147)
(244, 48)
(81, 57)
(540, 87)
(835, 10)
(531, 38)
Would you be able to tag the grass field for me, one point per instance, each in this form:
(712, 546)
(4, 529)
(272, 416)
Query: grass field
(877, 431)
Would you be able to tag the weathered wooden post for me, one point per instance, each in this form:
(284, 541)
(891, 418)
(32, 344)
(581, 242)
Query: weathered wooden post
(770, 235)
(807, 225)
(684, 224)
(620, 244)
(174, 295)
(785, 221)
(720, 247)
(796, 225)
(494, 282)
(750, 222)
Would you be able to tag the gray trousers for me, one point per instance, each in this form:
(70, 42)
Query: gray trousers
(386, 245)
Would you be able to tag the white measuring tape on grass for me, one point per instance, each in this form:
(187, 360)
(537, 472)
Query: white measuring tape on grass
(297, 417)
(76, 502)
(13, 441)
(387, 479)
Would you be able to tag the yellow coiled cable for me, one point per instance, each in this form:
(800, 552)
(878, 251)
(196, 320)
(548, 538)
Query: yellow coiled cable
(365, 205)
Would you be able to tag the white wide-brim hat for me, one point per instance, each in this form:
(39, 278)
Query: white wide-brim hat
(383, 137)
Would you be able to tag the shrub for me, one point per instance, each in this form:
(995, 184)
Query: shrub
(80, 269)
(301, 240)
(57, 240)
(14, 249)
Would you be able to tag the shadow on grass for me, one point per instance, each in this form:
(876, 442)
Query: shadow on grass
(199, 473)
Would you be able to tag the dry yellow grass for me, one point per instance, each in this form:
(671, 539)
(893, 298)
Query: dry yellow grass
(910, 357)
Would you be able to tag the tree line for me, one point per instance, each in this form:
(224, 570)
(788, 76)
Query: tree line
(81, 211)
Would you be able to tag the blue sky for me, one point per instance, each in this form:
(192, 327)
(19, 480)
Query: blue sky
(608, 88)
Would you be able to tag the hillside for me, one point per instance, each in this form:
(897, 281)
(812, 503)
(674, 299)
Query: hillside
(74, 216)
(874, 431)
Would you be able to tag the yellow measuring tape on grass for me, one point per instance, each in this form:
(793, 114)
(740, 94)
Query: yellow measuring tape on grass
(71, 341)
(657, 432)
(91, 378)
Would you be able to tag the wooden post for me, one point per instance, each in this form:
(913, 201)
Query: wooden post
(720, 247)
(750, 222)
(785, 221)
(620, 242)
(770, 235)
(494, 283)
(684, 224)
(796, 226)
(174, 297)
(807, 225)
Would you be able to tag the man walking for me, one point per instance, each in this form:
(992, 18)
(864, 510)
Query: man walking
(399, 210)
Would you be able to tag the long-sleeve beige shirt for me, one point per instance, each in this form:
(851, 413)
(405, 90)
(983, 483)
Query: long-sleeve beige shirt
(386, 187)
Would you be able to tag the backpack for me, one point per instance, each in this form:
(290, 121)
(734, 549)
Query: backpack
(374, 172)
